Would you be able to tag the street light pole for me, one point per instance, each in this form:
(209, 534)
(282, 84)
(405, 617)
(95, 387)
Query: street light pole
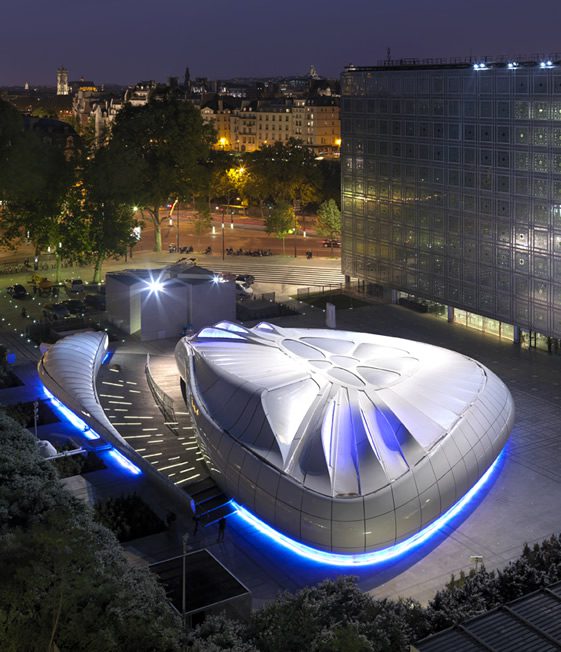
(185, 538)
(222, 238)
(177, 233)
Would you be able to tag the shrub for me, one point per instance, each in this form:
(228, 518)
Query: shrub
(64, 579)
(129, 517)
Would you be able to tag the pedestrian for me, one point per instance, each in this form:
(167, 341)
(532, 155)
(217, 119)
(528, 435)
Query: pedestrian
(196, 521)
(24, 313)
(221, 529)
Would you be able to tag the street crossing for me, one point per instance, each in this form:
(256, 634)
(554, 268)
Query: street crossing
(265, 270)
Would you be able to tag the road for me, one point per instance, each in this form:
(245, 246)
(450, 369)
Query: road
(239, 232)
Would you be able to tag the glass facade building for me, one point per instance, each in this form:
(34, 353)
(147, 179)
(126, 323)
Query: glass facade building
(451, 185)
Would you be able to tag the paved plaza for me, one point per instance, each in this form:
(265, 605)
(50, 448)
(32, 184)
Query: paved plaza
(521, 504)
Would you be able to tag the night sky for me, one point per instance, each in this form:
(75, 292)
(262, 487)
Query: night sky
(124, 41)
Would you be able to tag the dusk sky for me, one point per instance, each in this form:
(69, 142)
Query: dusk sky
(125, 41)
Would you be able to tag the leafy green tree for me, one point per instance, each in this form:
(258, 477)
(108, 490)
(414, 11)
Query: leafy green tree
(64, 580)
(218, 633)
(165, 145)
(11, 132)
(108, 221)
(281, 221)
(329, 220)
(38, 184)
(330, 175)
(289, 172)
(203, 221)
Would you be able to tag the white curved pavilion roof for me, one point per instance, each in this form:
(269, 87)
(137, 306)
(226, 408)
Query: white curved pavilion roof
(343, 413)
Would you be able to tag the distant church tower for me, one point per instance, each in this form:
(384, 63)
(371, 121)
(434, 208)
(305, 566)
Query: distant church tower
(62, 81)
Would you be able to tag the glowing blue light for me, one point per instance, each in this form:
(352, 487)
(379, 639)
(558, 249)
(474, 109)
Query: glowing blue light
(75, 420)
(216, 279)
(546, 64)
(377, 556)
(479, 66)
(513, 65)
(106, 357)
(124, 462)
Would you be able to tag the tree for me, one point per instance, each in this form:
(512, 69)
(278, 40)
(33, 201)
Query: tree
(217, 633)
(203, 221)
(37, 184)
(108, 221)
(11, 131)
(64, 580)
(288, 171)
(165, 145)
(329, 221)
(281, 221)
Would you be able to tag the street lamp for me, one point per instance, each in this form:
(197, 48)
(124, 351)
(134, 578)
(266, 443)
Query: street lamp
(185, 538)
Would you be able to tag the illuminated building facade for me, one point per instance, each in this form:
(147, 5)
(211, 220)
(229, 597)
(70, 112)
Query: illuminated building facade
(62, 87)
(346, 444)
(451, 188)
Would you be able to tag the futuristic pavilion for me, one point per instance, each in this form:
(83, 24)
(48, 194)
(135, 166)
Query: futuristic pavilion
(345, 443)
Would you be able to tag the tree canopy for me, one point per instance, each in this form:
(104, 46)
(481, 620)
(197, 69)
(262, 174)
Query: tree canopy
(163, 145)
(64, 580)
(281, 221)
(329, 219)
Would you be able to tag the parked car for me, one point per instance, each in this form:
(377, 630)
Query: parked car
(332, 244)
(56, 311)
(75, 307)
(74, 286)
(248, 279)
(95, 301)
(243, 291)
(17, 291)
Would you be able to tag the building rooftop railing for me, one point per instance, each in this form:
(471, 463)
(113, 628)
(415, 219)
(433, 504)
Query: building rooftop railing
(535, 59)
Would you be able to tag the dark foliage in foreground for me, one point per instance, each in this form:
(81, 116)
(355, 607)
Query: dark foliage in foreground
(63, 577)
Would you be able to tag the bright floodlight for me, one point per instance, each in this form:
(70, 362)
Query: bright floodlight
(155, 285)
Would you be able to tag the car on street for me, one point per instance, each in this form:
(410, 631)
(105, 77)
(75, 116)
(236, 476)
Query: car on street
(74, 286)
(17, 291)
(56, 312)
(95, 301)
(243, 291)
(75, 307)
(332, 244)
(248, 279)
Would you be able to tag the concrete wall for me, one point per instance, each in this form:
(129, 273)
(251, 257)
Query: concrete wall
(212, 302)
(165, 314)
(119, 304)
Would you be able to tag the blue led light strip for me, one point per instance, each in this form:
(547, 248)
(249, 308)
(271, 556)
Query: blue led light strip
(90, 434)
(377, 556)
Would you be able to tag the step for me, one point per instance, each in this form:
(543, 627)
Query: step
(202, 497)
(213, 517)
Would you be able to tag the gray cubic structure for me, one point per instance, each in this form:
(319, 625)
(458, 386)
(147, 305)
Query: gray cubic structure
(345, 442)
(451, 188)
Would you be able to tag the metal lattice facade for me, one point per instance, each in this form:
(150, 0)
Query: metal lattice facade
(451, 186)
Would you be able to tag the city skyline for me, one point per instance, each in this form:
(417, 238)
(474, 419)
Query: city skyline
(140, 40)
